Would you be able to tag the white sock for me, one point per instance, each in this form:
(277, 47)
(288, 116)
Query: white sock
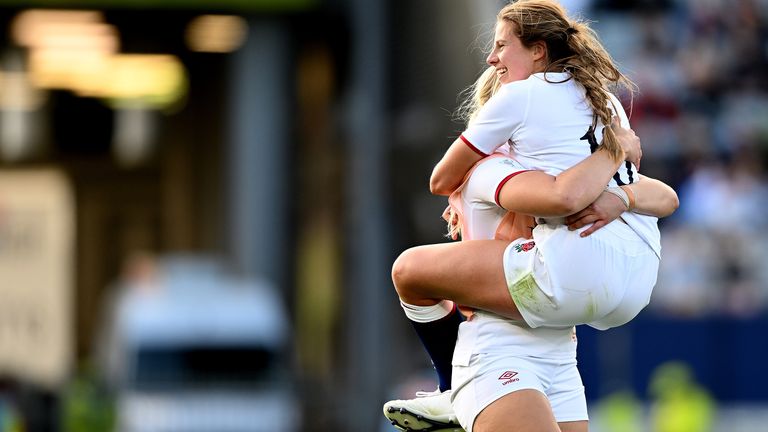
(424, 314)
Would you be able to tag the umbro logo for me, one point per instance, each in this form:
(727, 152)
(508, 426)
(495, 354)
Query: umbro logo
(508, 377)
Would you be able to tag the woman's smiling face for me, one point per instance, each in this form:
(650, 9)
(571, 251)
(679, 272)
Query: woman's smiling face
(513, 61)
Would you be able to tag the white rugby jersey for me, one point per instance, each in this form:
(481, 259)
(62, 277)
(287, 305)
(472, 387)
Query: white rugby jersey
(548, 125)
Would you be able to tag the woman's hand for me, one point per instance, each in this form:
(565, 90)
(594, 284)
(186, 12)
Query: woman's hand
(653, 198)
(628, 141)
(600, 213)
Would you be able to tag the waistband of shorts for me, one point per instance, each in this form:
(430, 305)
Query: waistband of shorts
(552, 221)
(555, 221)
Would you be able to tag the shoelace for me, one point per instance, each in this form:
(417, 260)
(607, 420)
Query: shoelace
(421, 394)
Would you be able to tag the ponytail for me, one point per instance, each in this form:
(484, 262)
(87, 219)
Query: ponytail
(593, 68)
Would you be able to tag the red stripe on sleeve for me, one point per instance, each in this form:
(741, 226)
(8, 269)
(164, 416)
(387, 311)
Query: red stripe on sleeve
(474, 149)
(503, 182)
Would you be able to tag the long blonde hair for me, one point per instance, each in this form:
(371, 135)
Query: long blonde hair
(573, 47)
(476, 95)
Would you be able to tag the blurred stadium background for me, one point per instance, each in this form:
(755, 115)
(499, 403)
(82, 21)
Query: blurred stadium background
(200, 201)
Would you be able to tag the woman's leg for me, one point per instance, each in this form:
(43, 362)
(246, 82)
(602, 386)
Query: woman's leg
(470, 273)
(574, 426)
(520, 411)
(425, 275)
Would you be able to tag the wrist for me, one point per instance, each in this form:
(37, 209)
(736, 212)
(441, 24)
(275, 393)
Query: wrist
(631, 195)
(622, 195)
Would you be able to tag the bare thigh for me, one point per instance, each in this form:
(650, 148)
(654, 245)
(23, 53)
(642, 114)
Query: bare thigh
(574, 426)
(470, 273)
(520, 411)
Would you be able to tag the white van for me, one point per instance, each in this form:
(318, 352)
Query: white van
(192, 349)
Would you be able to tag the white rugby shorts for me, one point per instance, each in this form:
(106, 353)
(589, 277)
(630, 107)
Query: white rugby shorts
(489, 377)
(559, 279)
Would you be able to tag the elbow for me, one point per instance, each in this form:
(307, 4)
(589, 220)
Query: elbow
(672, 204)
(438, 186)
(667, 203)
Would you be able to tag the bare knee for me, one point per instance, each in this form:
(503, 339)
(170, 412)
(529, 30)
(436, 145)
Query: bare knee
(405, 276)
(401, 270)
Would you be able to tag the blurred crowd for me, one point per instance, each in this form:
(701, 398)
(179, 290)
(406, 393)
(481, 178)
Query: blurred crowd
(701, 67)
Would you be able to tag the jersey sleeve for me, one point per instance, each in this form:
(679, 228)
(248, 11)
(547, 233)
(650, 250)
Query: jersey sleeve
(489, 177)
(498, 119)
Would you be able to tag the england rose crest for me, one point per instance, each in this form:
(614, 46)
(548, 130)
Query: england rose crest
(524, 247)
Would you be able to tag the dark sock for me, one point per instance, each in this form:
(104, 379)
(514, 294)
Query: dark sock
(439, 339)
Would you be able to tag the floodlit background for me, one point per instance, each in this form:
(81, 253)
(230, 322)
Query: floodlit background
(200, 201)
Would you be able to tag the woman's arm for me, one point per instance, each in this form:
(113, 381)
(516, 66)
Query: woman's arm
(450, 171)
(652, 197)
(490, 129)
(540, 194)
(461, 156)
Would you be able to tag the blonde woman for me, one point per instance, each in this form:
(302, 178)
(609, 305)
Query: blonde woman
(552, 107)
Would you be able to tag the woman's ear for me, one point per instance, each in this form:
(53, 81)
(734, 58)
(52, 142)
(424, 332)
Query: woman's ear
(539, 49)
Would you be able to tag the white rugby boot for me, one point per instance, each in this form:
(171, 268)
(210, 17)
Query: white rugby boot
(428, 412)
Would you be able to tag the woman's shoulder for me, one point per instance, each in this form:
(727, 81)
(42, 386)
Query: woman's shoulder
(517, 85)
(514, 90)
(551, 81)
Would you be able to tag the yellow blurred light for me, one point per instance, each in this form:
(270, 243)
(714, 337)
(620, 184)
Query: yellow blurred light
(67, 49)
(76, 69)
(95, 36)
(216, 33)
(156, 80)
(28, 25)
(77, 51)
